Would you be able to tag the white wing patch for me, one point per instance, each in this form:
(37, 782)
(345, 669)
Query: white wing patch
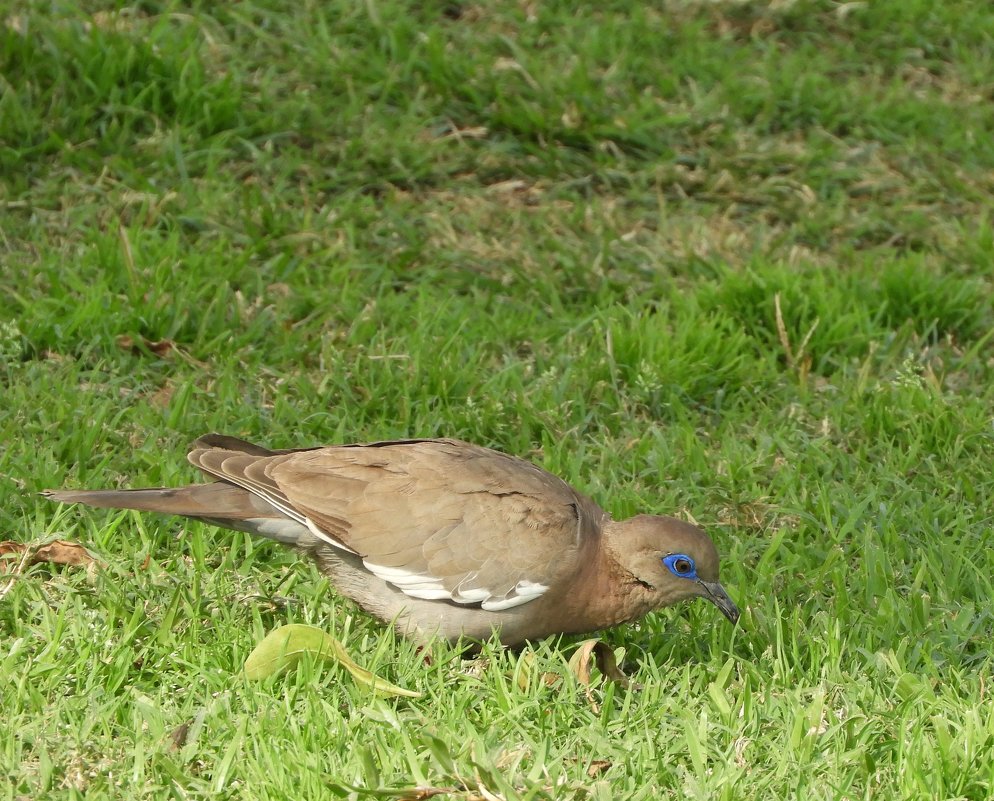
(523, 592)
(419, 585)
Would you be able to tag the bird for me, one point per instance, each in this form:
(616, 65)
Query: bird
(444, 538)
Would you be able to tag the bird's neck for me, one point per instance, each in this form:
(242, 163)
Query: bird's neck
(615, 595)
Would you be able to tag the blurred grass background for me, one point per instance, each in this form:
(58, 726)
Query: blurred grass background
(726, 260)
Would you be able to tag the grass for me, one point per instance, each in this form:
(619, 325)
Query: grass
(728, 260)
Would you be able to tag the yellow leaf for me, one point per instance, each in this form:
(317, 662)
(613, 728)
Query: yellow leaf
(285, 646)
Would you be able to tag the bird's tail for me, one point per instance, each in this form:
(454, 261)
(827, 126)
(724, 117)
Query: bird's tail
(197, 500)
(219, 503)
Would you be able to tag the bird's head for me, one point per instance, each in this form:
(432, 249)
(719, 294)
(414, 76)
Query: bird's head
(670, 560)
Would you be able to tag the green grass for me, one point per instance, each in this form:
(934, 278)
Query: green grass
(563, 233)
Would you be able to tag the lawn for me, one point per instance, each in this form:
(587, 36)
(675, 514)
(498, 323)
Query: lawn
(730, 261)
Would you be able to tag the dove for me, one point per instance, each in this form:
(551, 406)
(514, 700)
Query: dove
(443, 538)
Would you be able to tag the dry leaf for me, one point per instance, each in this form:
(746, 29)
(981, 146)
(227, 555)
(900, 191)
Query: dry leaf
(187, 733)
(160, 347)
(9, 546)
(63, 552)
(163, 395)
(550, 679)
(581, 663)
(597, 767)
(163, 348)
(606, 663)
(57, 552)
(522, 673)
(177, 739)
(422, 793)
(13, 558)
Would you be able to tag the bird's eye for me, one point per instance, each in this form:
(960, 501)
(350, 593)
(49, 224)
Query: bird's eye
(680, 565)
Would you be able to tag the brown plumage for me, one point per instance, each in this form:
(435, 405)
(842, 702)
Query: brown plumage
(444, 538)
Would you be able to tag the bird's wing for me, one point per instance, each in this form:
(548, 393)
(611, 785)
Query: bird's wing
(438, 519)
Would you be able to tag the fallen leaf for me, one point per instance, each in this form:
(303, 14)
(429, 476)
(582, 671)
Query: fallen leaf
(13, 559)
(423, 793)
(523, 671)
(63, 552)
(589, 652)
(160, 347)
(10, 546)
(177, 739)
(163, 395)
(580, 663)
(402, 793)
(285, 646)
(187, 733)
(597, 767)
(163, 348)
(56, 552)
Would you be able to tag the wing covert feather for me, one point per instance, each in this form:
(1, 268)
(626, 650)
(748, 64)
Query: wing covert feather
(442, 518)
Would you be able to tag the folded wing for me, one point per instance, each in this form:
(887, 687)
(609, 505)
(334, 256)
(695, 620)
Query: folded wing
(438, 519)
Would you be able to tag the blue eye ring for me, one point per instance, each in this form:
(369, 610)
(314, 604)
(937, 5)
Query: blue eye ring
(680, 565)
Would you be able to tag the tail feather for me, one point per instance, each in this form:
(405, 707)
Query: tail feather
(217, 500)
(220, 503)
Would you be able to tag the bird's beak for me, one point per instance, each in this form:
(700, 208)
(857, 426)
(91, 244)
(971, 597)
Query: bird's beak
(716, 594)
